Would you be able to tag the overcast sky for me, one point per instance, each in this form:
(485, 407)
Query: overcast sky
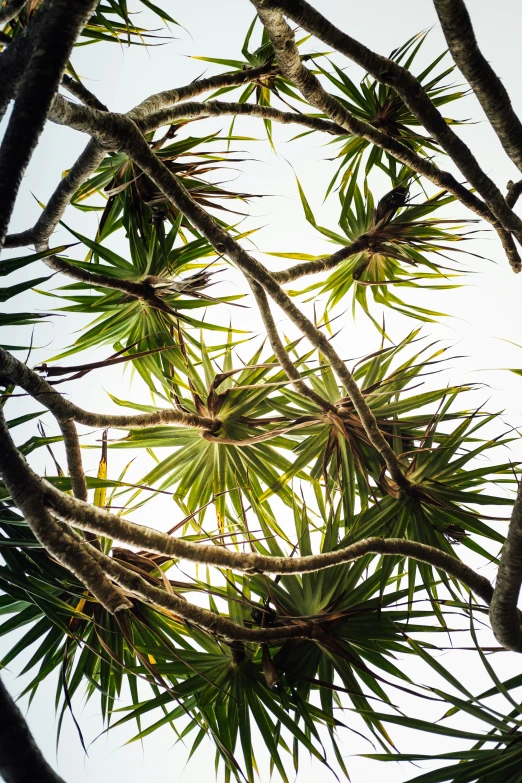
(486, 312)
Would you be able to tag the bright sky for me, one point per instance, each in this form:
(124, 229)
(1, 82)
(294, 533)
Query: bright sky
(486, 312)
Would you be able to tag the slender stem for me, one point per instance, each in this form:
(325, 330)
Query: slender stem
(19, 374)
(86, 164)
(81, 92)
(102, 522)
(74, 458)
(169, 97)
(195, 110)
(280, 352)
(11, 9)
(361, 244)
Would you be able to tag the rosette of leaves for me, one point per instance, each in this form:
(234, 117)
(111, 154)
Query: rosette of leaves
(406, 248)
(335, 450)
(133, 199)
(174, 278)
(241, 463)
(448, 478)
(380, 106)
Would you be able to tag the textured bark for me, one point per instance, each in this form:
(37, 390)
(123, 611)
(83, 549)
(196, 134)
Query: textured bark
(17, 372)
(20, 759)
(488, 88)
(56, 35)
(26, 490)
(169, 97)
(504, 615)
(11, 9)
(74, 458)
(81, 92)
(195, 110)
(361, 244)
(102, 522)
(38, 235)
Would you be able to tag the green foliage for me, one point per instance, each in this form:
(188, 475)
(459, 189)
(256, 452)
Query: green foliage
(280, 475)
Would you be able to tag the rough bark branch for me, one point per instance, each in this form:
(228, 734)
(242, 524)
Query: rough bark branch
(74, 458)
(19, 374)
(20, 758)
(504, 615)
(81, 92)
(169, 97)
(387, 72)
(514, 189)
(86, 164)
(96, 520)
(194, 110)
(488, 88)
(26, 491)
(11, 9)
(56, 36)
(304, 268)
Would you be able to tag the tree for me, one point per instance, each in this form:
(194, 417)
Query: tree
(331, 514)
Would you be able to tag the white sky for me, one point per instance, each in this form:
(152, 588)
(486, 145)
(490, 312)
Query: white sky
(485, 313)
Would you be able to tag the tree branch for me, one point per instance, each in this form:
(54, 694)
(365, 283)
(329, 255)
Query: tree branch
(491, 93)
(19, 374)
(385, 71)
(169, 97)
(503, 613)
(194, 110)
(26, 491)
(97, 520)
(56, 35)
(280, 352)
(20, 758)
(74, 458)
(361, 244)
(81, 92)
(11, 9)
(86, 164)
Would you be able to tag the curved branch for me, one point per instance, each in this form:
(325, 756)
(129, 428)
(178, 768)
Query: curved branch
(86, 164)
(20, 758)
(11, 9)
(102, 522)
(26, 490)
(491, 93)
(19, 374)
(280, 352)
(56, 35)
(203, 618)
(195, 110)
(74, 458)
(503, 613)
(385, 71)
